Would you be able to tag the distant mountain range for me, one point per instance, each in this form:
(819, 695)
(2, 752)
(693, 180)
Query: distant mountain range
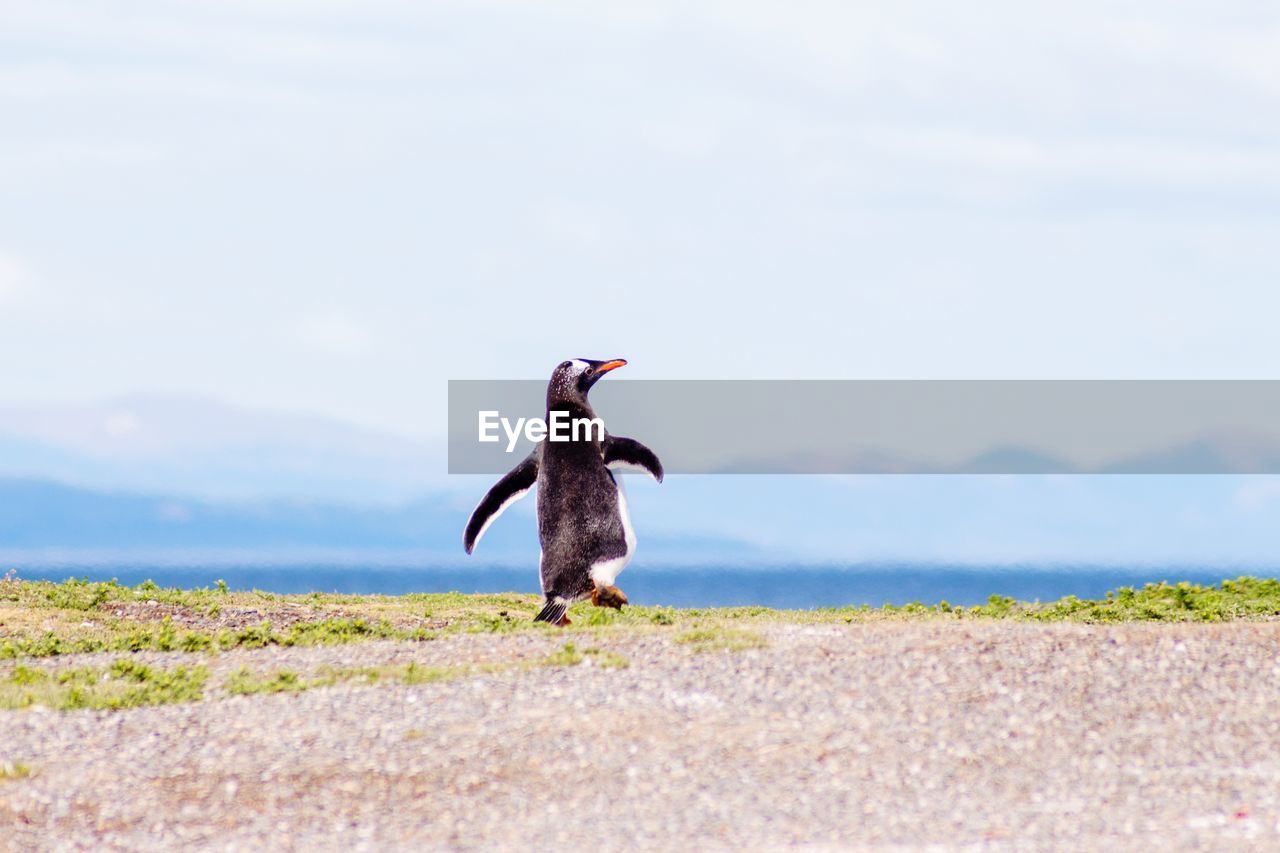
(165, 472)
(36, 514)
(192, 446)
(1220, 453)
(189, 446)
(148, 473)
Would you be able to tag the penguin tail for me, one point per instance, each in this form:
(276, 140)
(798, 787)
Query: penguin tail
(553, 611)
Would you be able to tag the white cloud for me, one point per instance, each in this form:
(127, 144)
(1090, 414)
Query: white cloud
(330, 332)
(1128, 158)
(685, 140)
(121, 424)
(575, 224)
(914, 190)
(13, 277)
(1258, 493)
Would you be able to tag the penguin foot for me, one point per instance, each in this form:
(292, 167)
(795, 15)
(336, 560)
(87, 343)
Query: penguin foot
(608, 596)
(564, 620)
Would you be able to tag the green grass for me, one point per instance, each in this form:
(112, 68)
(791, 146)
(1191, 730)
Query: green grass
(570, 656)
(245, 682)
(13, 770)
(128, 684)
(720, 638)
(123, 684)
(1243, 598)
(41, 620)
(44, 619)
(606, 659)
(164, 637)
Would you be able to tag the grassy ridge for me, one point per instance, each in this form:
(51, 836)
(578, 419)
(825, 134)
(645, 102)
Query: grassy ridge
(125, 683)
(44, 619)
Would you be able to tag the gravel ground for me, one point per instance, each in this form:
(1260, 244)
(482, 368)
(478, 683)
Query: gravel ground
(894, 735)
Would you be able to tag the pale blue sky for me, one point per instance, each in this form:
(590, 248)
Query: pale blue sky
(334, 207)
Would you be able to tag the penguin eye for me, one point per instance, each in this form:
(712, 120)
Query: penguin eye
(588, 372)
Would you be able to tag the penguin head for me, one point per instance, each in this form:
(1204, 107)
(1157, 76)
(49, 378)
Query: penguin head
(572, 379)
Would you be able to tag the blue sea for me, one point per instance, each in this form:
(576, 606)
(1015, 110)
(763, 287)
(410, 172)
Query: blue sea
(708, 585)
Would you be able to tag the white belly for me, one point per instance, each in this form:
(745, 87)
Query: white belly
(606, 572)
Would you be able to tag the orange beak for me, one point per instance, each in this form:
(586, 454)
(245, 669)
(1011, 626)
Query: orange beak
(611, 365)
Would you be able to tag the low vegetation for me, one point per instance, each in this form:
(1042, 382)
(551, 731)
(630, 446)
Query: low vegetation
(13, 770)
(43, 619)
(245, 682)
(606, 659)
(123, 684)
(570, 656)
(719, 637)
(128, 684)
(40, 621)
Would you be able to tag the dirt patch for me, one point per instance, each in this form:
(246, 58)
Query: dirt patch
(280, 616)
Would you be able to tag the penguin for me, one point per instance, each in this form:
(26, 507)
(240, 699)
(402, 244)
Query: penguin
(583, 524)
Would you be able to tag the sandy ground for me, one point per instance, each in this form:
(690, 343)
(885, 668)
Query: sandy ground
(889, 735)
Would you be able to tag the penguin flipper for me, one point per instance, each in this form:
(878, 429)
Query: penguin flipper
(622, 452)
(511, 488)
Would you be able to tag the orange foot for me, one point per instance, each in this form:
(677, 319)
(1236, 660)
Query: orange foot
(564, 620)
(608, 596)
